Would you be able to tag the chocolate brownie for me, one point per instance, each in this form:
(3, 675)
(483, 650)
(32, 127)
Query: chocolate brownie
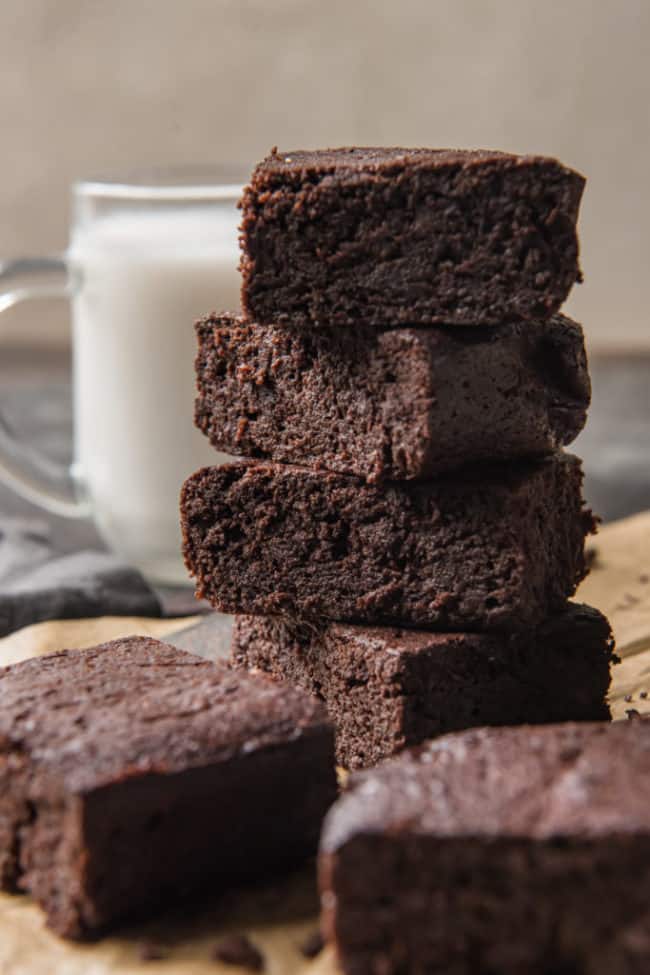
(348, 237)
(517, 851)
(133, 772)
(390, 403)
(386, 688)
(490, 548)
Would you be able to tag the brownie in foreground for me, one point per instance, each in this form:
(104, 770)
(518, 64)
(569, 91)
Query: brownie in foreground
(394, 404)
(133, 772)
(357, 236)
(498, 547)
(499, 850)
(386, 688)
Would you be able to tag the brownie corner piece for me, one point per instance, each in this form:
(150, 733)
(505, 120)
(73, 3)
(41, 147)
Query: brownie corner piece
(502, 850)
(133, 772)
(421, 236)
(387, 688)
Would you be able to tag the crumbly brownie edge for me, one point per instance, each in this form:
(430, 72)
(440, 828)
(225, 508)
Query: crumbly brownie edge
(515, 905)
(330, 546)
(343, 279)
(68, 813)
(386, 689)
(390, 404)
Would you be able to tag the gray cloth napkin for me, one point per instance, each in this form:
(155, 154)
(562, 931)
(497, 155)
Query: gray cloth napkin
(38, 584)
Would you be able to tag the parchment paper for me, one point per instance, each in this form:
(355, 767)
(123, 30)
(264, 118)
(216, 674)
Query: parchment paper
(279, 918)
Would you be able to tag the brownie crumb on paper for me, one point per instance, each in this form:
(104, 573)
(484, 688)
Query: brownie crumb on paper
(238, 949)
(312, 945)
(151, 951)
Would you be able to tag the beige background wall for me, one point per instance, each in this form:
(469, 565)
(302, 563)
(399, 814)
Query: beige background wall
(99, 85)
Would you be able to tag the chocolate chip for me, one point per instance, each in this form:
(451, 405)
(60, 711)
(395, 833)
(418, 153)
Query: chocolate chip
(628, 698)
(312, 945)
(238, 949)
(643, 695)
(150, 951)
(632, 713)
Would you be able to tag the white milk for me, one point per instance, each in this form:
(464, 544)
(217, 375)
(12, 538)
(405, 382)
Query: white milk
(143, 278)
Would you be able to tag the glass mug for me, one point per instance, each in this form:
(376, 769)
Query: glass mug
(145, 260)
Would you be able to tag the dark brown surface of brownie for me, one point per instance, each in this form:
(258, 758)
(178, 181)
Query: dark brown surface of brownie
(133, 773)
(517, 851)
(386, 688)
(390, 403)
(408, 236)
(491, 548)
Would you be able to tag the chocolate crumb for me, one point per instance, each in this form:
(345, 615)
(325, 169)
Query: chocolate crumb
(570, 753)
(628, 698)
(627, 601)
(632, 713)
(150, 951)
(238, 949)
(643, 694)
(312, 945)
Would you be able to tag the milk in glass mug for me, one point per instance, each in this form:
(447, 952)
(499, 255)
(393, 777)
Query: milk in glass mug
(146, 258)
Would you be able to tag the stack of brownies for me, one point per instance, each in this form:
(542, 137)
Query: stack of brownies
(407, 532)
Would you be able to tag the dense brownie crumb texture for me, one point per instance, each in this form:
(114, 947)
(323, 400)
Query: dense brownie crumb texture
(391, 403)
(405, 530)
(386, 688)
(133, 772)
(514, 851)
(351, 237)
(495, 548)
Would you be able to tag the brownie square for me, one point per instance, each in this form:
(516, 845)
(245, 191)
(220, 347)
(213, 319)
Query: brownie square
(396, 404)
(133, 773)
(489, 548)
(517, 851)
(356, 236)
(386, 688)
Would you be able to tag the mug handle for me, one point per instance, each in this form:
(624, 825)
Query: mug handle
(37, 478)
